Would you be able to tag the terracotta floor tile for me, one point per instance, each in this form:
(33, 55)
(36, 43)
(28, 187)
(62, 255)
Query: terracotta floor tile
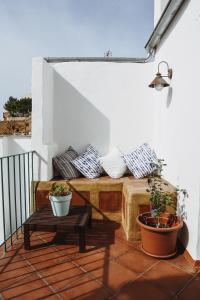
(110, 251)
(167, 277)
(111, 274)
(39, 252)
(136, 261)
(48, 260)
(93, 241)
(120, 234)
(116, 249)
(135, 244)
(141, 289)
(4, 261)
(16, 263)
(17, 282)
(102, 232)
(73, 250)
(181, 262)
(32, 289)
(38, 293)
(9, 277)
(74, 253)
(10, 263)
(35, 245)
(109, 268)
(37, 240)
(53, 297)
(65, 281)
(91, 258)
(43, 234)
(70, 251)
(97, 262)
(53, 270)
(10, 253)
(47, 255)
(192, 291)
(64, 272)
(65, 247)
(83, 288)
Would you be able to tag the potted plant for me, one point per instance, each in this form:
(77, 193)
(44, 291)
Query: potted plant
(60, 197)
(159, 229)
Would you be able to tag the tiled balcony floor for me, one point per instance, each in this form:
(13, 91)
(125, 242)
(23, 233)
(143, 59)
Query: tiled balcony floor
(110, 269)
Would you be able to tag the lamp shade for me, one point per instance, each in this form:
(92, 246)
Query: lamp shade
(158, 82)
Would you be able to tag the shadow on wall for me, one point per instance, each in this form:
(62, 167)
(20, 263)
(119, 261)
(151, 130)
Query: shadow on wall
(169, 96)
(11, 145)
(77, 121)
(184, 235)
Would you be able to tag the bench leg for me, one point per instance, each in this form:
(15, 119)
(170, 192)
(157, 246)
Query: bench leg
(81, 232)
(26, 237)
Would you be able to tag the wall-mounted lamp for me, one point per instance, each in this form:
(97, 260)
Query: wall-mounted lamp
(159, 83)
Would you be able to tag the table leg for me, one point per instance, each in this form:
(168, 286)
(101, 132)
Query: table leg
(81, 232)
(26, 237)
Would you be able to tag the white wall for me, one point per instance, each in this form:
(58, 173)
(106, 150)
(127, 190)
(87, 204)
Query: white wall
(78, 103)
(10, 145)
(110, 104)
(177, 121)
(101, 103)
(42, 118)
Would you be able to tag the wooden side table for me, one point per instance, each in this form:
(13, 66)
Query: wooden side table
(78, 219)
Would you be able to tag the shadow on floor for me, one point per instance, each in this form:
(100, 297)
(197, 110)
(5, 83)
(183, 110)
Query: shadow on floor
(97, 237)
(111, 268)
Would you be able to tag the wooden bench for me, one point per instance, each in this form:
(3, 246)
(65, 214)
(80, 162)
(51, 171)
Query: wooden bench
(119, 200)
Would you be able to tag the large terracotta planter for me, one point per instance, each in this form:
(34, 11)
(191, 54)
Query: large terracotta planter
(159, 242)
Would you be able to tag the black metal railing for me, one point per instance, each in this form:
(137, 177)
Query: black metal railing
(16, 195)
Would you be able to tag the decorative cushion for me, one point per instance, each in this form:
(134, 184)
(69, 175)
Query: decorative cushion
(88, 163)
(62, 163)
(113, 163)
(139, 161)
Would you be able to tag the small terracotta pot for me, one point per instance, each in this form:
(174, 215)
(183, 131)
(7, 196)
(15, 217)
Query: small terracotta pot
(159, 242)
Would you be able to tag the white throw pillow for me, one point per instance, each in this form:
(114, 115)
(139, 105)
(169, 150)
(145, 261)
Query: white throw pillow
(88, 163)
(140, 161)
(113, 163)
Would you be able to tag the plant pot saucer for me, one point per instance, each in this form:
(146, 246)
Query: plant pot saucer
(159, 256)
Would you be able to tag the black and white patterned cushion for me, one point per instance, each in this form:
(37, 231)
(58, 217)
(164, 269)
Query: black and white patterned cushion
(139, 161)
(88, 163)
(62, 164)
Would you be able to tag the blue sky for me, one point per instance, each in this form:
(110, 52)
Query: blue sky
(30, 28)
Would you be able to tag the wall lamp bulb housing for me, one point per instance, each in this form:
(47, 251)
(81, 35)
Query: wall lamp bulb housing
(159, 82)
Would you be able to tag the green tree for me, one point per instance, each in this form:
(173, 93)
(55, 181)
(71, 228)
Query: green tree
(11, 105)
(16, 107)
(25, 106)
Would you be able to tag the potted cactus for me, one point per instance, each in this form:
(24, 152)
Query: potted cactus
(159, 229)
(60, 197)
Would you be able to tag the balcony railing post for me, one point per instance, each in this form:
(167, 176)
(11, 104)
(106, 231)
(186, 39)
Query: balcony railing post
(16, 178)
(29, 202)
(32, 179)
(24, 171)
(15, 197)
(20, 190)
(9, 199)
(3, 205)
